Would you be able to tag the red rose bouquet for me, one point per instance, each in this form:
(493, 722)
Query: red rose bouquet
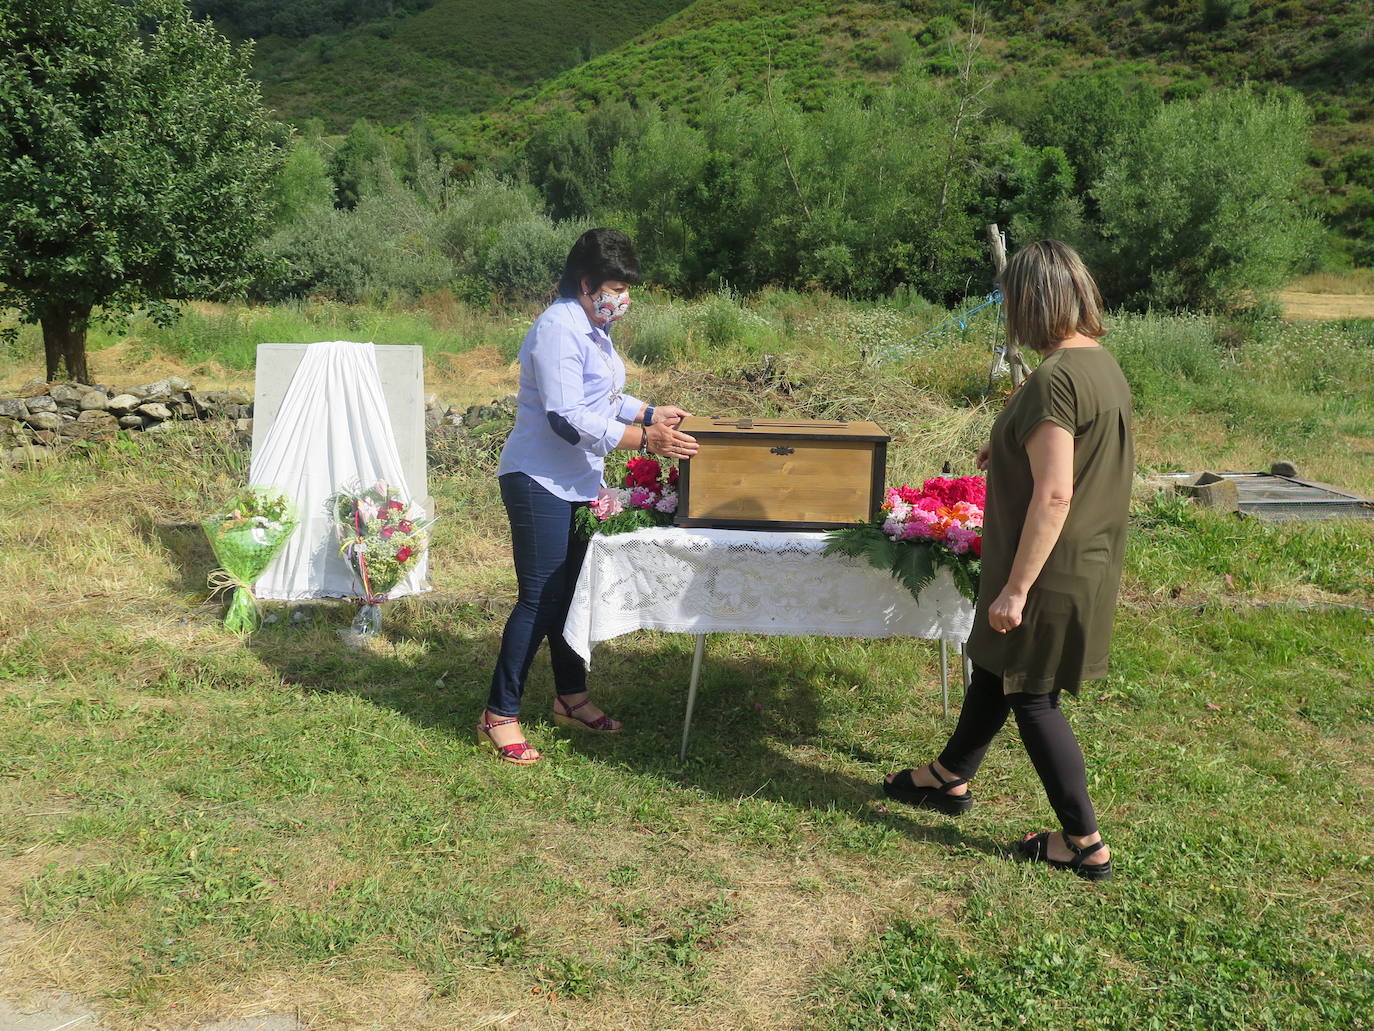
(919, 530)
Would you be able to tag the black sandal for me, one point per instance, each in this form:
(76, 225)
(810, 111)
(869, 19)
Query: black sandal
(903, 788)
(1036, 849)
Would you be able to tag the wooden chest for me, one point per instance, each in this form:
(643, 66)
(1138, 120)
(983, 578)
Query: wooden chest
(782, 474)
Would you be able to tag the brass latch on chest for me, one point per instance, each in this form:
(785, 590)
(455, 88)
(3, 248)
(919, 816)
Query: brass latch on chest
(782, 450)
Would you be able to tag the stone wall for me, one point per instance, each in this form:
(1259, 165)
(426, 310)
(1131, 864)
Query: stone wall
(44, 417)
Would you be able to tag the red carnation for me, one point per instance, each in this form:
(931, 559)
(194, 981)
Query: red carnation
(404, 554)
(642, 472)
(672, 476)
(976, 546)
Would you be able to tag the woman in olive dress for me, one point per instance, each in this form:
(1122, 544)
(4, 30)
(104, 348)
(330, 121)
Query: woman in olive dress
(1060, 463)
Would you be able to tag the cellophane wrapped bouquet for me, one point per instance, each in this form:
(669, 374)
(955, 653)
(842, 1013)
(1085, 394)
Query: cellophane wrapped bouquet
(920, 530)
(647, 496)
(245, 538)
(383, 537)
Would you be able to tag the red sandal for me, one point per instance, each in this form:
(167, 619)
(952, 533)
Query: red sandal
(520, 753)
(603, 724)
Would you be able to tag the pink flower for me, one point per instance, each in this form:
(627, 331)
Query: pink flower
(387, 531)
(927, 504)
(642, 497)
(607, 504)
(919, 529)
(667, 503)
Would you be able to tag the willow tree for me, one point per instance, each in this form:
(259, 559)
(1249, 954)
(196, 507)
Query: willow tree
(135, 156)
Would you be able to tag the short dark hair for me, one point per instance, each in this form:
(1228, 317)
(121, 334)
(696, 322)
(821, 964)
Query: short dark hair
(599, 255)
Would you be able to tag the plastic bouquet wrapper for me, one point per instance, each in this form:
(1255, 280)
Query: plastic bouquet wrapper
(383, 537)
(921, 529)
(647, 496)
(245, 540)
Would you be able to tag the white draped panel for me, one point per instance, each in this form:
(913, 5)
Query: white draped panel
(698, 581)
(332, 432)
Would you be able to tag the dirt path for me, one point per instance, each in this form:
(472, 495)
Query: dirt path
(1299, 306)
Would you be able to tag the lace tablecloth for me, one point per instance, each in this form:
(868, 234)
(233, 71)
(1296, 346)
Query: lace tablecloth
(696, 581)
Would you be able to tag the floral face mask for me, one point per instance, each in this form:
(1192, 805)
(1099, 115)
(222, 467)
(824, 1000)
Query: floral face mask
(609, 306)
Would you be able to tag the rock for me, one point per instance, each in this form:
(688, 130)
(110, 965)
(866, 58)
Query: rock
(49, 438)
(177, 385)
(123, 403)
(159, 389)
(153, 410)
(1212, 491)
(93, 417)
(45, 421)
(243, 425)
(13, 408)
(95, 401)
(21, 456)
(41, 403)
(67, 393)
(1284, 469)
(431, 401)
(160, 427)
(183, 410)
(34, 387)
(238, 397)
(132, 422)
(453, 420)
(91, 429)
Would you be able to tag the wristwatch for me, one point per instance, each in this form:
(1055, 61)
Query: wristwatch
(648, 415)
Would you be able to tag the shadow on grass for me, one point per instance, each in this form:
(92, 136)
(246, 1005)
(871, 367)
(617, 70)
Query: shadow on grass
(435, 665)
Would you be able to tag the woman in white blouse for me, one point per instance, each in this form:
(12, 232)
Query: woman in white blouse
(572, 412)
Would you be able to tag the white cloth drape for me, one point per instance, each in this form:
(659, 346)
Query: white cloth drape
(332, 433)
(698, 581)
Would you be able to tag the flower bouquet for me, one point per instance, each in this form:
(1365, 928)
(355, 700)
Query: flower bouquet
(918, 531)
(245, 539)
(648, 497)
(383, 538)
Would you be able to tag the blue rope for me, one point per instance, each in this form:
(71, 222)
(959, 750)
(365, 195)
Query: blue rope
(994, 298)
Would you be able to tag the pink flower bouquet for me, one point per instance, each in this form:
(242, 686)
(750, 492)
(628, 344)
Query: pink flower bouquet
(918, 530)
(647, 496)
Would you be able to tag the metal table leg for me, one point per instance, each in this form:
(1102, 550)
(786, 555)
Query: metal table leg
(944, 676)
(697, 655)
(966, 664)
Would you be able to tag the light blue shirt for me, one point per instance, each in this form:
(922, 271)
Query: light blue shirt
(572, 409)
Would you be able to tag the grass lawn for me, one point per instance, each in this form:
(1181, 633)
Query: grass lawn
(194, 827)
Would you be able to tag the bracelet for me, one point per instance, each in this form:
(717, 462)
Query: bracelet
(644, 441)
(648, 415)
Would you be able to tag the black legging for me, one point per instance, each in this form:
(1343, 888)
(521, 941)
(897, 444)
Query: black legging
(1044, 731)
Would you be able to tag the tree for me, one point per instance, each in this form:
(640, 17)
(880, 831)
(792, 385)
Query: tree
(135, 160)
(1202, 210)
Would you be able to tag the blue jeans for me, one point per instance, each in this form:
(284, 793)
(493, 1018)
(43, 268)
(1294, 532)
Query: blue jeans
(548, 557)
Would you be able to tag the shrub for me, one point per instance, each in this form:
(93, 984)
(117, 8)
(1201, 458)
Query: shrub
(1202, 209)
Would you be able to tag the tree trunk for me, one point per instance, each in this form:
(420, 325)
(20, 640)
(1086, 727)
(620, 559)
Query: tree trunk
(64, 340)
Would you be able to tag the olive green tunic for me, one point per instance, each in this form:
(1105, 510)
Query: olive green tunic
(1066, 626)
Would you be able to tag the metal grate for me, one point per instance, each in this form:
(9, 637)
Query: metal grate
(1275, 498)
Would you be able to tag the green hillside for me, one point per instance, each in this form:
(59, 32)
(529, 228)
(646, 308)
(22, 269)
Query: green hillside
(1322, 48)
(456, 57)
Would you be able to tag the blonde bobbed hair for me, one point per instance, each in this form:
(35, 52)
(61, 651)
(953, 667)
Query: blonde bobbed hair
(1050, 295)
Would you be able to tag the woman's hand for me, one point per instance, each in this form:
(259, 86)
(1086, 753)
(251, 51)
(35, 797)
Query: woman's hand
(982, 460)
(1005, 612)
(669, 415)
(665, 440)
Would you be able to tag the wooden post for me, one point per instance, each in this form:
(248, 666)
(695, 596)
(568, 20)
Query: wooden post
(999, 262)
